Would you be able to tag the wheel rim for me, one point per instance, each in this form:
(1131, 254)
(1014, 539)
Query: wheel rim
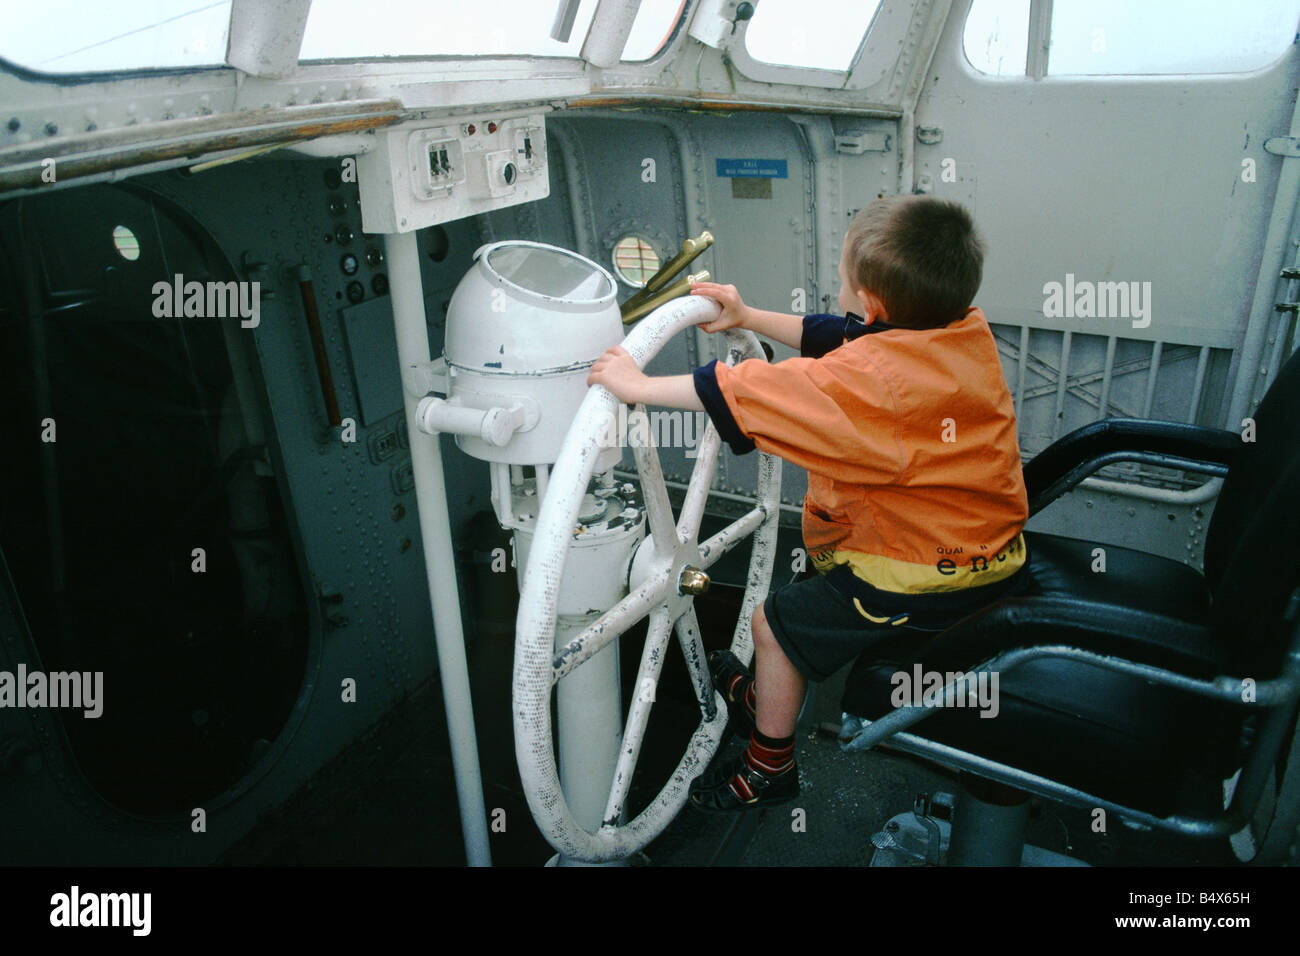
(538, 666)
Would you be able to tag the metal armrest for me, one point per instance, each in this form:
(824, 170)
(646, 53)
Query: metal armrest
(1066, 462)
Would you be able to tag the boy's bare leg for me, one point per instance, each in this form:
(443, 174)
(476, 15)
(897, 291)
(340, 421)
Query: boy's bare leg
(778, 687)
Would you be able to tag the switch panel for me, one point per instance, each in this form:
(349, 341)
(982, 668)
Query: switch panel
(420, 174)
(437, 164)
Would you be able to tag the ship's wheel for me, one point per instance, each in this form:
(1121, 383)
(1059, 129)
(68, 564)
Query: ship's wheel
(668, 569)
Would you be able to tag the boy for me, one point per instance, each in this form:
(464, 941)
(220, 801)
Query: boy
(901, 415)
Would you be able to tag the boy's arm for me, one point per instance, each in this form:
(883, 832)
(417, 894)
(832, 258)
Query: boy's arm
(786, 329)
(618, 372)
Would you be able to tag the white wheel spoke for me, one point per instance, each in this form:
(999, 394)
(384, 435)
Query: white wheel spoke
(697, 492)
(762, 556)
(688, 635)
(610, 625)
(659, 510)
(731, 535)
(638, 713)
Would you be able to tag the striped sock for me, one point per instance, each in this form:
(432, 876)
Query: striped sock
(742, 688)
(769, 756)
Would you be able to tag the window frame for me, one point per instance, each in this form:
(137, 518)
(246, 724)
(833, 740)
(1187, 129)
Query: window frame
(876, 58)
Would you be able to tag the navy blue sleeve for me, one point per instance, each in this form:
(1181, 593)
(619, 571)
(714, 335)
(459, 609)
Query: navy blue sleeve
(706, 387)
(823, 332)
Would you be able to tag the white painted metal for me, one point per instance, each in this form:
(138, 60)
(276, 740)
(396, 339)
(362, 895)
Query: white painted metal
(439, 557)
(524, 326)
(495, 426)
(902, 36)
(1040, 34)
(421, 174)
(266, 35)
(920, 68)
(654, 590)
(711, 21)
(541, 472)
(589, 703)
(609, 31)
(1252, 372)
(523, 342)
(565, 14)
(455, 87)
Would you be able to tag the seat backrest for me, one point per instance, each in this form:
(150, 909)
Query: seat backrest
(1251, 559)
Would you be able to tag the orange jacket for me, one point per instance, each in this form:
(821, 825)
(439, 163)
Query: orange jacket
(909, 440)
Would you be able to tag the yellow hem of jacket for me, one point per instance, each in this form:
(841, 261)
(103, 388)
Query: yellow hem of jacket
(958, 572)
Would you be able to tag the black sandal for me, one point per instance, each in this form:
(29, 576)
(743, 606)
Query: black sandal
(718, 796)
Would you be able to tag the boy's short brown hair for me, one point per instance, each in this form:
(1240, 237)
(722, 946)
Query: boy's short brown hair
(920, 255)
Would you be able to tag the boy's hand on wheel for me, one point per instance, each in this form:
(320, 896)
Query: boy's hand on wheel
(733, 309)
(617, 371)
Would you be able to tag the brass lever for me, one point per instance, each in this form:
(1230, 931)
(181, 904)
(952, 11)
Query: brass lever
(691, 248)
(679, 288)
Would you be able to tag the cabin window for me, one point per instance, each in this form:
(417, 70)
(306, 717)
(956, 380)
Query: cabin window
(653, 28)
(997, 36)
(1168, 36)
(1114, 37)
(816, 34)
(635, 261)
(89, 36)
(341, 29)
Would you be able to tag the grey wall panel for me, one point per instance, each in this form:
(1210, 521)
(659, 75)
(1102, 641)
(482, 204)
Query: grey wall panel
(1112, 179)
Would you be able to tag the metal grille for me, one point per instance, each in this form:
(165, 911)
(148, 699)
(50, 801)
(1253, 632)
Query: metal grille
(1063, 380)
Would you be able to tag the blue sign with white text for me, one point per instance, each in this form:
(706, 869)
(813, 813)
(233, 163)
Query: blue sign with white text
(766, 168)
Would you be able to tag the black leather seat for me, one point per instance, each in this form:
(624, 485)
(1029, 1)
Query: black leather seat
(1136, 740)
(1134, 579)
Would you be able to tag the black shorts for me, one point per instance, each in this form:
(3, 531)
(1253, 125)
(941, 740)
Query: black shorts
(820, 628)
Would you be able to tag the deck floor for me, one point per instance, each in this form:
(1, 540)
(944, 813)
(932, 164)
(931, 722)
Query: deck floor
(389, 798)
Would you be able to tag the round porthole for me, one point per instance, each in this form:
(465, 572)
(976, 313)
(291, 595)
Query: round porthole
(126, 244)
(635, 260)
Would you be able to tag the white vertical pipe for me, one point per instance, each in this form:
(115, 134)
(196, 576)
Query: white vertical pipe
(589, 699)
(542, 472)
(435, 530)
(502, 496)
